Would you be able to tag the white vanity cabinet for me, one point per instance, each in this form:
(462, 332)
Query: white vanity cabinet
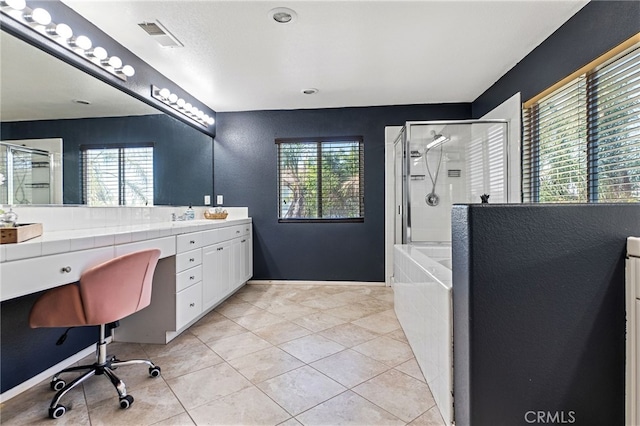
(225, 264)
(208, 267)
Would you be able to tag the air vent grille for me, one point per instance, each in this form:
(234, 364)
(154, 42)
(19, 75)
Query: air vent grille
(160, 33)
(152, 28)
(454, 172)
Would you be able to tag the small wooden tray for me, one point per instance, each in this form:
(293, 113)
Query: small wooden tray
(20, 233)
(218, 216)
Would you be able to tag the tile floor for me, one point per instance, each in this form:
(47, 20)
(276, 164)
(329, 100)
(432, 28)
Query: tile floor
(270, 355)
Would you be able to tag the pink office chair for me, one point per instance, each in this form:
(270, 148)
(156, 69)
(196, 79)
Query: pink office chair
(105, 294)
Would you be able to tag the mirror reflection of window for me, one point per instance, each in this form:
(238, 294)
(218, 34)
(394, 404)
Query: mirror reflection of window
(113, 176)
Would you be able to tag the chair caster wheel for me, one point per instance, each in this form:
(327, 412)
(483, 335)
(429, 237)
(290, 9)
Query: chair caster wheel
(56, 385)
(126, 401)
(57, 412)
(154, 371)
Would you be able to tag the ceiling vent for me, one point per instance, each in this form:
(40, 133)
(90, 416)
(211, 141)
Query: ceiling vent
(160, 34)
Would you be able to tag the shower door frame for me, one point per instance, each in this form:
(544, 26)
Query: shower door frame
(405, 133)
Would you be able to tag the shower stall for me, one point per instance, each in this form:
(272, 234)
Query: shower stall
(25, 175)
(438, 164)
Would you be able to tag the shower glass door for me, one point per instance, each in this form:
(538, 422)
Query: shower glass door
(451, 162)
(26, 173)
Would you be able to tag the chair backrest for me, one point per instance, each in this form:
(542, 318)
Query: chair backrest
(119, 287)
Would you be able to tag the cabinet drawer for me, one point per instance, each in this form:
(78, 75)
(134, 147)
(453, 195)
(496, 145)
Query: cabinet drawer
(27, 276)
(166, 245)
(188, 260)
(232, 232)
(188, 305)
(189, 277)
(186, 242)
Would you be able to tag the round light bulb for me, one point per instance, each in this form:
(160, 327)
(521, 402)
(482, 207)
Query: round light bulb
(38, 16)
(173, 98)
(164, 93)
(128, 70)
(83, 42)
(14, 4)
(195, 111)
(61, 30)
(205, 118)
(211, 120)
(180, 102)
(98, 52)
(187, 107)
(114, 62)
(200, 114)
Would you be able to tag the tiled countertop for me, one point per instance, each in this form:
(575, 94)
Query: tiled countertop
(55, 242)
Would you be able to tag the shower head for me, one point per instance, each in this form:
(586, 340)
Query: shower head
(438, 139)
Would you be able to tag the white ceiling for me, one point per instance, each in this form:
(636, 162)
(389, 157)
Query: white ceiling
(357, 53)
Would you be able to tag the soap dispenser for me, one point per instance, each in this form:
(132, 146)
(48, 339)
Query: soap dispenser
(190, 214)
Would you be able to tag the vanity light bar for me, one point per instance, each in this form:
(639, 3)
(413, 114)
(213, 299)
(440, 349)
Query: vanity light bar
(165, 96)
(40, 20)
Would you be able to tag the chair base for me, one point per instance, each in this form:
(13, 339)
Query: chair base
(102, 367)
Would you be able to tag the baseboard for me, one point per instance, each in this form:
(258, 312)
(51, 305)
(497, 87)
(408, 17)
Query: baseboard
(4, 397)
(294, 282)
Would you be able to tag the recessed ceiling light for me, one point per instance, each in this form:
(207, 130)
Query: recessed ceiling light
(282, 15)
(310, 91)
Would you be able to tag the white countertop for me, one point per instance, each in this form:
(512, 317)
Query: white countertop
(55, 242)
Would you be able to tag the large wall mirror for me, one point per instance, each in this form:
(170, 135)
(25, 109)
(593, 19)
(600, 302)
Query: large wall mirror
(45, 101)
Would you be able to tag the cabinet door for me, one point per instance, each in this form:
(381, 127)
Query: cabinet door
(216, 273)
(236, 263)
(247, 259)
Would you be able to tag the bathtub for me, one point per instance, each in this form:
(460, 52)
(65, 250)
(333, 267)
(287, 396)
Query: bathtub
(423, 303)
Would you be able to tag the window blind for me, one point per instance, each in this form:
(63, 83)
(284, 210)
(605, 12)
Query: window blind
(614, 127)
(581, 143)
(321, 179)
(486, 162)
(117, 176)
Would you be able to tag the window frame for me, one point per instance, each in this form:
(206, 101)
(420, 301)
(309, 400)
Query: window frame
(530, 153)
(319, 142)
(121, 148)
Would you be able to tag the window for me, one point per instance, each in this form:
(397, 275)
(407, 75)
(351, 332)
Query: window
(321, 179)
(117, 175)
(581, 141)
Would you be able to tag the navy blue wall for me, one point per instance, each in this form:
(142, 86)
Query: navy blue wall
(595, 29)
(26, 352)
(245, 173)
(539, 312)
(183, 156)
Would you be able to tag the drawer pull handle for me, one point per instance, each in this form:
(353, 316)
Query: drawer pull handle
(192, 277)
(237, 232)
(243, 241)
(66, 269)
(192, 305)
(192, 242)
(220, 248)
(192, 259)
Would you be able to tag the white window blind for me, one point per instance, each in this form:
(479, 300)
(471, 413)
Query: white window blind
(321, 179)
(117, 176)
(486, 162)
(614, 127)
(581, 143)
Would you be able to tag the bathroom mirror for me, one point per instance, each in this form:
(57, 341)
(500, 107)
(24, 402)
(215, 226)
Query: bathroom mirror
(42, 97)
